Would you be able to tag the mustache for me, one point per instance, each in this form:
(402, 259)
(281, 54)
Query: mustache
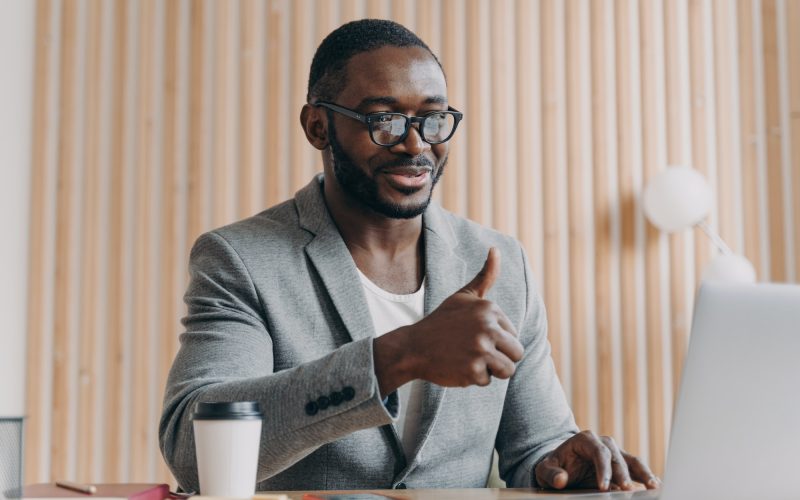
(417, 161)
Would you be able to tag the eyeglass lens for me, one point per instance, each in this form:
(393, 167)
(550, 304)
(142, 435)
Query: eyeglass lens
(389, 129)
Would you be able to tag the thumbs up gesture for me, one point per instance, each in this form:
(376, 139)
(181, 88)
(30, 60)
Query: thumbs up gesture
(484, 280)
(464, 342)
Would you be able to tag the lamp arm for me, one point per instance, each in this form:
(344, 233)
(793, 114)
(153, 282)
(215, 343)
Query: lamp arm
(715, 238)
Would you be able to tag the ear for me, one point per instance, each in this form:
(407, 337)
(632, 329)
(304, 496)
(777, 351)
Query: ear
(315, 125)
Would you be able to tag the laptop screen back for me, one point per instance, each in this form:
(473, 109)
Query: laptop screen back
(736, 431)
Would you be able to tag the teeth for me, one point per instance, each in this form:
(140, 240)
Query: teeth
(410, 175)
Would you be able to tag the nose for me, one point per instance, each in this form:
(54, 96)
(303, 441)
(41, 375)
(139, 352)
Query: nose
(413, 144)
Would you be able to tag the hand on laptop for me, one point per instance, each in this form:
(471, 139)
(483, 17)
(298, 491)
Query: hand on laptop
(590, 461)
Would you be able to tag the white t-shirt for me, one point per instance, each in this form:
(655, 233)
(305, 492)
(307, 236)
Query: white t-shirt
(390, 311)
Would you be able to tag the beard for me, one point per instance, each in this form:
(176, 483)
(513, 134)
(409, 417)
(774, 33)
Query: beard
(364, 189)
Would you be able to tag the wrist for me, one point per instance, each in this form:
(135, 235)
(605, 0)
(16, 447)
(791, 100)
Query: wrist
(392, 361)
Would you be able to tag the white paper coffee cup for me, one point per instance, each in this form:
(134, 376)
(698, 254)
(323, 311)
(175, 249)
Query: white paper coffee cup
(227, 439)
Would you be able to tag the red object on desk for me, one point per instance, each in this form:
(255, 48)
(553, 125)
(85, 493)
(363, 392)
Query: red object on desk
(130, 491)
(346, 496)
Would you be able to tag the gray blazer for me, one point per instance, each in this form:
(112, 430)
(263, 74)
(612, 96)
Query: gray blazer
(277, 314)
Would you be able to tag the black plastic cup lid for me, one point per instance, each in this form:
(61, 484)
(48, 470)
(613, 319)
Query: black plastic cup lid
(235, 410)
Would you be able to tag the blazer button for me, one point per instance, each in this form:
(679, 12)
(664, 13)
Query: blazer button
(348, 393)
(312, 408)
(400, 486)
(336, 398)
(323, 402)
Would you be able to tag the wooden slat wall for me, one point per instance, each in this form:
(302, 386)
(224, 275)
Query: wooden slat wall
(628, 172)
(156, 120)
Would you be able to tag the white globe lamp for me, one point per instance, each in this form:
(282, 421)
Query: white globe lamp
(676, 199)
(731, 268)
(679, 198)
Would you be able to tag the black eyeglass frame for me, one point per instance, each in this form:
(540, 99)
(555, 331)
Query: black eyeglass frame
(371, 118)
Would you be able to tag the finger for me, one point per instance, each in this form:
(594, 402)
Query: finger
(505, 323)
(485, 278)
(500, 366)
(600, 455)
(619, 468)
(508, 345)
(640, 472)
(550, 475)
(481, 374)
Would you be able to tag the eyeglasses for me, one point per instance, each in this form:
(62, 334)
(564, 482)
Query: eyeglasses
(388, 129)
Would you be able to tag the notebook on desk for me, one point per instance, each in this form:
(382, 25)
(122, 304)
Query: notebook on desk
(736, 429)
(123, 491)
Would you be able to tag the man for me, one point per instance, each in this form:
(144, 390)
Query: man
(387, 344)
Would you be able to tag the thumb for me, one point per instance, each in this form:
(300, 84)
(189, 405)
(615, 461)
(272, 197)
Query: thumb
(483, 281)
(549, 474)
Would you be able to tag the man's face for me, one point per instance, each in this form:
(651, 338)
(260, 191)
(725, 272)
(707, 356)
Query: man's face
(394, 181)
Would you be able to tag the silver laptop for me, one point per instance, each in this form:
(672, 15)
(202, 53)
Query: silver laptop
(736, 431)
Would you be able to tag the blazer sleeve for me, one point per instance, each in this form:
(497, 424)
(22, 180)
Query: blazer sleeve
(226, 355)
(536, 417)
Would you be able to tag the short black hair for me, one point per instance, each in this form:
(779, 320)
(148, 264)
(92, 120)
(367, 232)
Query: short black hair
(327, 77)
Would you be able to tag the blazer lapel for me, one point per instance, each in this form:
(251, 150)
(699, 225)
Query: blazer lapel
(444, 272)
(333, 261)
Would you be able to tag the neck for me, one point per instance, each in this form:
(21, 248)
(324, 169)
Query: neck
(388, 251)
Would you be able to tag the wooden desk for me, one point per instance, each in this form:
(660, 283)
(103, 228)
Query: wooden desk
(485, 494)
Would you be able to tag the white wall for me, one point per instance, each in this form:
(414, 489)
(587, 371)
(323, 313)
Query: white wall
(16, 106)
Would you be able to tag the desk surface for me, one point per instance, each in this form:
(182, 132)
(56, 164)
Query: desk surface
(483, 494)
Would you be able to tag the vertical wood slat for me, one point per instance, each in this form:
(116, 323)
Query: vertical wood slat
(402, 11)
(503, 131)
(553, 158)
(453, 58)
(168, 324)
(114, 397)
(789, 228)
(223, 169)
(378, 10)
(326, 21)
(300, 167)
(142, 432)
(603, 131)
(276, 153)
(65, 228)
(37, 282)
(793, 60)
(628, 160)
(428, 24)
(350, 10)
(477, 130)
(198, 117)
(578, 152)
(775, 180)
(90, 329)
(270, 157)
(653, 138)
(249, 94)
(749, 137)
(529, 159)
(727, 135)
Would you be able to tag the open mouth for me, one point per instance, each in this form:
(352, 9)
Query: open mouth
(408, 178)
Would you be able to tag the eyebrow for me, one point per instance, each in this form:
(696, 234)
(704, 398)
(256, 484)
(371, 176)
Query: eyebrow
(389, 100)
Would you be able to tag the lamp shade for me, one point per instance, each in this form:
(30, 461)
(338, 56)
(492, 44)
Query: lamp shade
(730, 268)
(676, 199)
